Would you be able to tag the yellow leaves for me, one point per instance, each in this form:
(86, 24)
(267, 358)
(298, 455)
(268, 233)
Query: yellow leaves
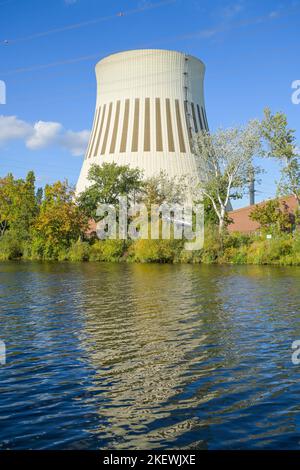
(59, 220)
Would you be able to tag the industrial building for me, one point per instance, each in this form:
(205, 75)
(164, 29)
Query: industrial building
(150, 103)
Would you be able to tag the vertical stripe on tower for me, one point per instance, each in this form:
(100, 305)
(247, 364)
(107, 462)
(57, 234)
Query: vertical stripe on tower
(169, 126)
(200, 120)
(147, 126)
(92, 138)
(135, 135)
(204, 120)
(115, 130)
(106, 130)
(98, 133)
(125, 128)
(179, 127)
(159, 143)
(194, 117)
(188, 124)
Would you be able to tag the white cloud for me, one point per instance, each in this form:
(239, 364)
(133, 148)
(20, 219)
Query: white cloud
(42, 134)
(12, 128)
(75, 142)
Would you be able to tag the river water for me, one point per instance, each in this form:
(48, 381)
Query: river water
(118, 356)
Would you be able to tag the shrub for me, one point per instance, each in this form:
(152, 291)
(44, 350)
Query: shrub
(212, 245)
(107, 250)
(11, 247)
(236, 239)
(79, 251)
(155, 251)
(234, 255)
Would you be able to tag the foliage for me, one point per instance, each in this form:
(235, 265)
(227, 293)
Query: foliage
(282, 145)
(212, 245)
(50, 224)
(161, 189)
(17, 203)
(210, 216)
(11, 246)
(225, 165)
(108, 182)
(78, 251)
(155, 251)
(272, 216)
(107, 250)
(58, 223)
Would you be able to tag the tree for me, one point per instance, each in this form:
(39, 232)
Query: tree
(225, 164)
(6, 202)
(281, 144)
(272, 215)
(108, 182)
(17, 203)
(159, 189)
(59, 222)
(210, 216)
(28, 203)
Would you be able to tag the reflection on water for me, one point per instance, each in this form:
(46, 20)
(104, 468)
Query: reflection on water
(148, 356)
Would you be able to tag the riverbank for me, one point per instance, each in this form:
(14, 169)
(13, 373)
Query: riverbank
(282, 249)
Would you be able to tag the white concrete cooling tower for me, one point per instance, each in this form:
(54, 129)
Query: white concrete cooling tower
(149, 105)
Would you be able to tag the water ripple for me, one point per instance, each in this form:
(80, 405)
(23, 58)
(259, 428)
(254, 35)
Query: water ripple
(147, 356)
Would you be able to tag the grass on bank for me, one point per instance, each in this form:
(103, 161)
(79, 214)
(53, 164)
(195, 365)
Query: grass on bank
(281, 249)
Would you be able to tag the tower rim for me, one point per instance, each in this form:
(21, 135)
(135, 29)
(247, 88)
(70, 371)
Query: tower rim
(140, 50)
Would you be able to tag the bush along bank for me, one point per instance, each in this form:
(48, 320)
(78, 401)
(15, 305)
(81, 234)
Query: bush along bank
(52, 224)
(281, 249)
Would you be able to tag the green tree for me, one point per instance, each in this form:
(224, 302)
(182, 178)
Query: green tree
(108, 182)
(225, 164)
(17, 204)
(272, 216)
(282, 145)
(160, 189)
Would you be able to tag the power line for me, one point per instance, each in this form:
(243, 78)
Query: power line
(83, 24)
(34, 68)
(49, 65)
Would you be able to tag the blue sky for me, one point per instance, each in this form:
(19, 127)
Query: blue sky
(48, 50)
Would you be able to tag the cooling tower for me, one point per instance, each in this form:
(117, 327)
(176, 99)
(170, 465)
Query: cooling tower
(149, 105)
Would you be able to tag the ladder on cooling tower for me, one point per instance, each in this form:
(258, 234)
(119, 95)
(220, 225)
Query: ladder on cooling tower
(188, 115)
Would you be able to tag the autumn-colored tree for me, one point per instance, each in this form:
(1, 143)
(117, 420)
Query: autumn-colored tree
(59, 222)
(272, 216)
